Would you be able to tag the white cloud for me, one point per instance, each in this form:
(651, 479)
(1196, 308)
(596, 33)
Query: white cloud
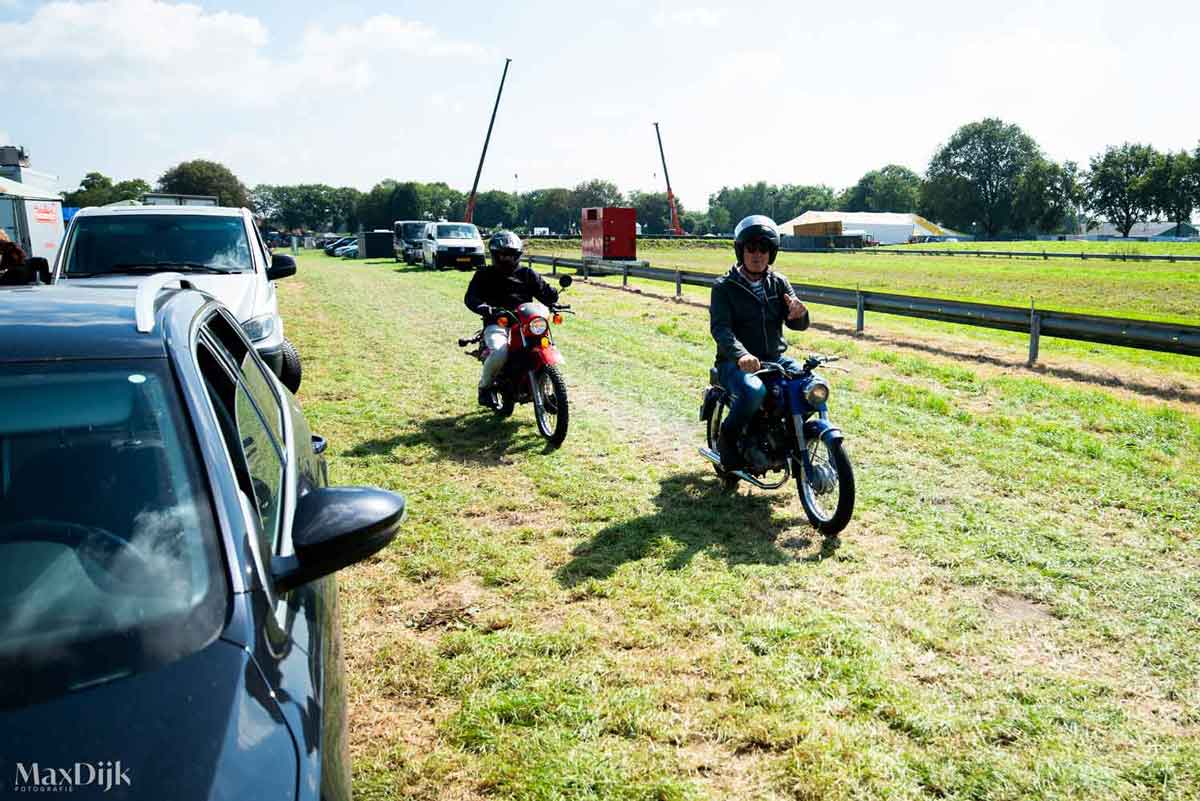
(695, 17)
(145, 56)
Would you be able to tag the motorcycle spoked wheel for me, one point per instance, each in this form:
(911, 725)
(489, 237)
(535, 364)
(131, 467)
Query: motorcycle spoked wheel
(828, 501)
(550, 405)
(712, 434)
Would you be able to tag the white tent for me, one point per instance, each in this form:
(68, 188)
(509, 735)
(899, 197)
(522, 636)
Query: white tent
(886, 228)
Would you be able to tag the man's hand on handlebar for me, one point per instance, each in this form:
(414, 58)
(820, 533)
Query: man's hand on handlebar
(749, 363)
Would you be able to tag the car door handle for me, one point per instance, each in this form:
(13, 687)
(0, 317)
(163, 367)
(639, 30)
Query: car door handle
(319, 444)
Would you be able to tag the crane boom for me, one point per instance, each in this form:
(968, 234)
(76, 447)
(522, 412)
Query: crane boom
(676, 228)
(479, 171)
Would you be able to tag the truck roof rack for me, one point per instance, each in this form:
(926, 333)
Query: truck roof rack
(147, 294)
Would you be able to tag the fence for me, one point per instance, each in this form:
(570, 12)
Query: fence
(1011, 254)
(1139, 334)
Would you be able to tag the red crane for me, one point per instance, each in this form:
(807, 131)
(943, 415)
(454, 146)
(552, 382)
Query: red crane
(676, 228)
(475, 186)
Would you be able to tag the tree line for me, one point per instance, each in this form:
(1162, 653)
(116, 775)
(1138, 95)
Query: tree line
(990, 179)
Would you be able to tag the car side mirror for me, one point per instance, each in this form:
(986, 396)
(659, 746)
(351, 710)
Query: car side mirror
(38, 266)
(565, 281)
(334, 527)
(282, 265)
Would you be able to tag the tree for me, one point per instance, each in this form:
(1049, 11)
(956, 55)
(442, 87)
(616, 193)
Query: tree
(345, 208)
(550, 208)
(789, 201)
(374, 210)
(496, 208)
(1174, 186)
(1119, 185)
(443, 203)
(406, 201)
(94, 190)
(1047, 195)
(596, 192)
(975, 176)
(719, 221)
(202, 177)
(890, 188)
(653, 211)
(133, 189)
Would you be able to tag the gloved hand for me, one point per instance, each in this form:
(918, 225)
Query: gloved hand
(485, 311)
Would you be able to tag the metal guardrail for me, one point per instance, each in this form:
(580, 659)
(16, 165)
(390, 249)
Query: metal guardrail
(1011, 254)
(1138, 334)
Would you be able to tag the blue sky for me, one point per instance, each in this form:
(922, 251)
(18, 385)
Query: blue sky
(350, 93)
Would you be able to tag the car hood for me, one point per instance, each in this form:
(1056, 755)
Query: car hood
(239, 292)
(203, 727)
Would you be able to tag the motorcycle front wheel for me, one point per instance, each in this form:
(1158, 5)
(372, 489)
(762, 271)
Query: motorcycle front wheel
(550, 408)
(827, 494)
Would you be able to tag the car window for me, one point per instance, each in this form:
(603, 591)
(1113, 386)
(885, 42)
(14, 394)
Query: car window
(461, 231)
(250, 414)
(412, 230)
(107, 244)
(109, 555)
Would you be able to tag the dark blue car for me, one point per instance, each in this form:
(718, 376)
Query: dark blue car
(168, 610)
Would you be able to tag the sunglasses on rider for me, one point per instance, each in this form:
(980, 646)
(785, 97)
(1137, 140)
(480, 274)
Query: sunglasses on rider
(757, 246)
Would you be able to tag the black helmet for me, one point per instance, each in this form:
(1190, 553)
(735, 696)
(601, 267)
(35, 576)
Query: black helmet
(506, 242)
(756, 227)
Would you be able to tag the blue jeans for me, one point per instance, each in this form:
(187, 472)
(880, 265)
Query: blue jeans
(747, 390)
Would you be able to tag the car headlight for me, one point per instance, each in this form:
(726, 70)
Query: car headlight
(259, 328)
(817, 393)
(538, 326)
(479, 248)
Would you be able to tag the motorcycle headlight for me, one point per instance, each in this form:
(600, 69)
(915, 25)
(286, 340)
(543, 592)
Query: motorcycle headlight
(259, 328)
(537, 326)
(817, 393)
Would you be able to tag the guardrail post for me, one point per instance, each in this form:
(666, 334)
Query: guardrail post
(678, 284)
(554, 265)
(861, 307)
(586, 271)
(625, 274)
(1035, 333)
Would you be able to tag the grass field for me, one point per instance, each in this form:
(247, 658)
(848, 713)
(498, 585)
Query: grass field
(1012, 614)
(1114, 247)
(1153, 291)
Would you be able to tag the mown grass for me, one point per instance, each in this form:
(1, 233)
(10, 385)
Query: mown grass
(1154, 291)
(1114, 247)
(1012, 614)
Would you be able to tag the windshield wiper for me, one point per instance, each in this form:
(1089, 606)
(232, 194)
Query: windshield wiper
(177, 266)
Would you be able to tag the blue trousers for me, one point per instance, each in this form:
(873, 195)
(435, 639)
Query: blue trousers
(747, 390)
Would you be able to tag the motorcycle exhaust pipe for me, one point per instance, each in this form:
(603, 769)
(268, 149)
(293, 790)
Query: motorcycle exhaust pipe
(715, 458)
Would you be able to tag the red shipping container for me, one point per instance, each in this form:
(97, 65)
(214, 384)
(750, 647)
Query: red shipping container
(609, 233)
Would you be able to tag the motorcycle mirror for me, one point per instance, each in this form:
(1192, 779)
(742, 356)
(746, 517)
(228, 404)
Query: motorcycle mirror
(565, 281)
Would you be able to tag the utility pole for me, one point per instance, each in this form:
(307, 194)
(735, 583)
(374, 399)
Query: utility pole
(486, 139)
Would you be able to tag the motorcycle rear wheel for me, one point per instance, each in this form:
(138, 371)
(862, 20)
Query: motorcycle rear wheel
(712, 434)
(550, 407)
(831, 514)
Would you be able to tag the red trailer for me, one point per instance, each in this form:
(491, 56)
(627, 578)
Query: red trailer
(609, 233)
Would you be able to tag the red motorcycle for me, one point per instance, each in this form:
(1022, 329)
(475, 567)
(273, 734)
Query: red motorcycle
(531, 373)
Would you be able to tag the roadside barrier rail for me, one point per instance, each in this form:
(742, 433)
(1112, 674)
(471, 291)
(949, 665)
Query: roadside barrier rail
(1128, 333)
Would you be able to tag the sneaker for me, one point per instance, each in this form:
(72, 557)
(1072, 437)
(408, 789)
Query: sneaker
(727, 447)
(487, 397)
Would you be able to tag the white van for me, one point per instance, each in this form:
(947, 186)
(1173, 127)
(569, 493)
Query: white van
(219, 249)
(452, 244)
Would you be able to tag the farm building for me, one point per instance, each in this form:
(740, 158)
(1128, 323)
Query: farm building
(1148, 230)
(886, 228)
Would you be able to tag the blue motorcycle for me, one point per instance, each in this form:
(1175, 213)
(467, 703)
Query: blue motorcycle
(790, 435)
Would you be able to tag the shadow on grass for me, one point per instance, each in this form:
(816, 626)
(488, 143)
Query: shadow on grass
(477, 438)
(695, 514)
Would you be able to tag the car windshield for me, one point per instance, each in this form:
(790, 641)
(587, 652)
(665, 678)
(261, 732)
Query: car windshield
(125, 243)
(108, 550)
(413, 230)
(457, 232)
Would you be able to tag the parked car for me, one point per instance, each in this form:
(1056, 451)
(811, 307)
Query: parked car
(452, 244)
(349, 252)
(341, 241)
(407, 240)
(168, 545)
(220, 248)
(344, 249)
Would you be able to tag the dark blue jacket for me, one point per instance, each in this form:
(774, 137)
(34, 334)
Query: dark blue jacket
(742, 324)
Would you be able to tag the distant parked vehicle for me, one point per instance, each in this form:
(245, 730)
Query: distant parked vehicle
(349, 251)
(340, 242)
(408, 237)
(452, 244)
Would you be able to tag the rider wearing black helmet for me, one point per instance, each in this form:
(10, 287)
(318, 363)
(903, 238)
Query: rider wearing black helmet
(749, 307)
(502, 285)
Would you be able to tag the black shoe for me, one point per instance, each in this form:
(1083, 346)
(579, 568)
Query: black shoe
(487, 397)
(727, 447)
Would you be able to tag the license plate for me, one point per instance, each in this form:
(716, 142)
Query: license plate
(466, 259)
